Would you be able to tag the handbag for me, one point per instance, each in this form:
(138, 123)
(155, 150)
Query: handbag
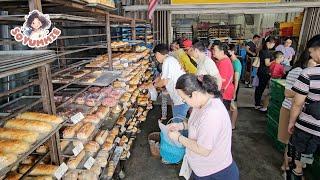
(185, 170)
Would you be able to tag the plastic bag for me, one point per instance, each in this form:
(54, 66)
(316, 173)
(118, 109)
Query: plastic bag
(185, 170)
(153, 93)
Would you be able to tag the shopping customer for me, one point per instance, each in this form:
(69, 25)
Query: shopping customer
(206, 66)
(263, 74)
(208, 145)
(171, 71)
(283, 135)
(287, 50)
(276, 68)
(304, 123)
(226, 72)
(183, 58)
(252, 52)
(236, 78)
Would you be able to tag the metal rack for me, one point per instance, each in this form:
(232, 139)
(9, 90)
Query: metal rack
(67, 53)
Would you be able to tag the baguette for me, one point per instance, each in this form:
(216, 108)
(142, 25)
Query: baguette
(85, 131)
(22, 135)
(30, 125)
(13, 146)
(74, 161)
(70, 131)
(6, 159)
(101, 136)
(39, 170)
(41, 117)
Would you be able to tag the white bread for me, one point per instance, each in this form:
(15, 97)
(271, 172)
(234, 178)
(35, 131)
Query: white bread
(16, 134)
(85, 131)
(74, 161)
(30, 125)
(13, 146)
(6, 159)
(39, 170)
(41, 117)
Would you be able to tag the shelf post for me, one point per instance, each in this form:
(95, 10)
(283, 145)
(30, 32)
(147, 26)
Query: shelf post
(133, 26)
(35, 5)
(108, 32)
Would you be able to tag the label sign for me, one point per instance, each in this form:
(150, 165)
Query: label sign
(89, 163)
(35, 30)
(220, 1)
(77, 118)
(76, 150)
(63, 168)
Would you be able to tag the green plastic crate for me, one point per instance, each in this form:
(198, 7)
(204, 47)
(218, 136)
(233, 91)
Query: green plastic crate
(273, 112)
(277, 88)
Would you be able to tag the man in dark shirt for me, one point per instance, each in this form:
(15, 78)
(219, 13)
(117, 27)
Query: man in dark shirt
(252, 50)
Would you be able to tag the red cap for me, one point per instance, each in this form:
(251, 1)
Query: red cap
(187, 44)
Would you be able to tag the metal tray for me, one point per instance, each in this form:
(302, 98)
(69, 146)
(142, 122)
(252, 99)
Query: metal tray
(105, 79)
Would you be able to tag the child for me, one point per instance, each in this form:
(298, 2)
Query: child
(277, 70)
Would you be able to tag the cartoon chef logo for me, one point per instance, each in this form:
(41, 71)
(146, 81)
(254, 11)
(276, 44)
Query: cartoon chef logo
(35, 30)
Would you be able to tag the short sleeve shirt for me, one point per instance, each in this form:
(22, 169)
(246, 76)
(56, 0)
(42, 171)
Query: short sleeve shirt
(264, 54)
(185, 61)
(206, 66)
(226, 72)
(237, 66)
(290, 80)
(210, 126)
(172, 70)
(252, 47)
(288, 52)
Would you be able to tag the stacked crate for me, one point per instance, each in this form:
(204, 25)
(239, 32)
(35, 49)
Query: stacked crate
(277, 88)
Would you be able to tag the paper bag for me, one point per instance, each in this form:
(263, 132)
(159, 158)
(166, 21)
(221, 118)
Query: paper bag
(185, 170)
(153, 93)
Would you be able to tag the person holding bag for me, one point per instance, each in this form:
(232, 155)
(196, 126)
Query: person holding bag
(208, 145)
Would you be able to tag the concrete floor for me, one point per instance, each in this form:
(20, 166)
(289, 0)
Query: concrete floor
(252, 149)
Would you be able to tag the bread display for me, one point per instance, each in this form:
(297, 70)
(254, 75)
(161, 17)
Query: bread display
(6, 159)
(96, 169)
(102, 158)
(102, 112)
(41, 117)
(39, 170)
(87, 175)
(85, 131)
(70, 131)
(101, 136)
(13, 146)
(71, 175)
(30, 125)
(73, 162)
(117, 109)
(91, 119)
(109, 102)
(42, 149)
(16, 134)
(123, 140)
(92, 147)
(121, 121)
(108, 145)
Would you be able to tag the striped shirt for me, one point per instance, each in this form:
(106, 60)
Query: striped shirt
(308, 84)
(290, 80)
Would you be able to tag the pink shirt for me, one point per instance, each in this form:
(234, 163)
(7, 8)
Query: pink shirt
(210, 126)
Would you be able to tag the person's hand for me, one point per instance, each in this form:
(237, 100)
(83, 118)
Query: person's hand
(174, 135)
(175, 126)
(291, 127)
(234, 96)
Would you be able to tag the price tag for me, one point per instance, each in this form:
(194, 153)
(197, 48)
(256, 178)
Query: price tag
(76, 150)
(117, 140)
(63, 168)
(89, 163)
(77, 118)
(122, 129)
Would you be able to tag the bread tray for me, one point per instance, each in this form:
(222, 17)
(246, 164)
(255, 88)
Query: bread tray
(105, 79)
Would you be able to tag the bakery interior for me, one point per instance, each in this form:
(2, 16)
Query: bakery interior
(72, 110)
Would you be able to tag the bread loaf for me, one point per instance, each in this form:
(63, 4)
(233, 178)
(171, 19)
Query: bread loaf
(86, 175)
(41, 117)
(85, 131)
(13, 176)
(74, 161)
(70, 131)
(6, 159)
(92, 147)
(13, 146)
(39, 178)
(39, 170)
(30, 125)
(71, 175)
(42, 149)
(107, 146)
(29, 160)
(101, 136)
(102, 112)
(91, 119)
(96, 169)
(16, 134)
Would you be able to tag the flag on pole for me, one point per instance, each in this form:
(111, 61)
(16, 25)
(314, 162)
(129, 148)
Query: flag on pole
(152, 7)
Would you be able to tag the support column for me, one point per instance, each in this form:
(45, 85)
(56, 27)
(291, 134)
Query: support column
(35, 5)
(108, 32)
(133, 26)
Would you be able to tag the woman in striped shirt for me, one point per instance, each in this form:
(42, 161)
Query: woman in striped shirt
(283, 134)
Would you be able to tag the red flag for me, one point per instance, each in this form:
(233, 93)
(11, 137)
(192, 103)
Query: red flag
(152, 7)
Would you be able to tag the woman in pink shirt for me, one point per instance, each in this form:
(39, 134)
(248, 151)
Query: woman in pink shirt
(208, 145)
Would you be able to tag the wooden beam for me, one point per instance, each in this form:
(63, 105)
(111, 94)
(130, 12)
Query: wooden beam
(108, 32)
(35, 5)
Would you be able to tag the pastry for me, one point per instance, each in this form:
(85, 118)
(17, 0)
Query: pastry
(102, 158)
(107, 146)
(78, 74)
(89, 79)
(6, 159)
(119, 84)
(70, 131)
(91, 119)
(94, 89)
(41, 117)
(101, 136)
(92, 147)
(91, 102)
(73, 162)
(111, 168)
(16, 134)
(123, 140)
(109, 101)
(142, 118)
(85, 131)
(96, 169)
(115, 94)
(29, 160)
(71, 175)
(38, 178)
(145, 113)
(121, 121)
(39, 170)
(102, 112)
(114, 131)
(13, 176)
(87, 175)
(13, 146)
(117, 109)
(106, 90)
(30, 125)
(80, 100)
